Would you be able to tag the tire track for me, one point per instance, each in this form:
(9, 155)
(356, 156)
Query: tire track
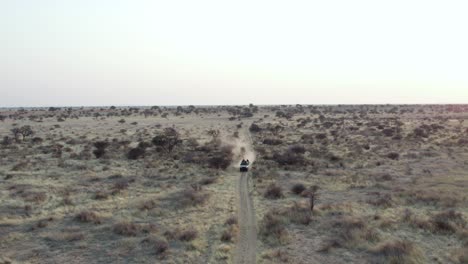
(247, 240)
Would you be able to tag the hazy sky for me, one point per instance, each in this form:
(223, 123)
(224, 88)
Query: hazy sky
(149, 52)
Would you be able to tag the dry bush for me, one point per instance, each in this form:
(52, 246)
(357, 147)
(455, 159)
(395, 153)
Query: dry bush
(126, 228)
(255, 128)
(321, 136)
(147, 205)
(192, 197)
(389, 132)
(167, 140)
(89, 217)
(207, 180)
(448, 221)
(121, 185)
(272, 141)
(281, 255)
(160, 245)
(136, 153)
(100, 148)
(101, 195)
(21, 166)
(434, 198)
(33, 196)
(37, 140)
(229, 233)
(385, 200)
(273, 227)
(298, 188)
(330, 244)
(420, 132)
(273, 191)
(44, 222)
(188, 235)
(393, 155)
(461, 256)
(222, 158)
(297, 149)
(69, 236)
(299, 214)
(352, 230)
(289, 158)
(308, 138)
(398, 251)
(231, 221)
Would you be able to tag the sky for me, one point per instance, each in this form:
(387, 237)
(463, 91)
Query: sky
(212, 52)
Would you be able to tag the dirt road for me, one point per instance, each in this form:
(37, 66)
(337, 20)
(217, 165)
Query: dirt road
(247, 240)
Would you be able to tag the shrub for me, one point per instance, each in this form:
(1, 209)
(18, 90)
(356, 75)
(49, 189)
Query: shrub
(120, 185)
(420, 132)
(167, 140)
(7, 141)
(297, 149)
(308, 138)
(100, 148)
(24, 131)
(88, 217)
(222, 158)
(272, 141)
(448, 221)
(160, 245)
(188, 235)
(300, 214)
(207, 180)
(273, 191)
(228, 234)
(298, 188)
(388, 132)
(399, 251)
(255, 128)
(321, 136)
(288, 158)
(330, 244)
(136, 153)
(37, 140)
(231, 221)
(101, 195)
(147, 205)
(393, 155)
(385, 200)
(101, 144)
(273, 226)
(351, 230)
(126, 228)
(36, 197)
(192, 197)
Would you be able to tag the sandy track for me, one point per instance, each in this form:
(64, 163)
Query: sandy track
(247, 240)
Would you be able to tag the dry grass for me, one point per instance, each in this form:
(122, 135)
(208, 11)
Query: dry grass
(385, 172)
(399, 252)
(126, 228)
(158, 245)
(273, 191)
(89, 217)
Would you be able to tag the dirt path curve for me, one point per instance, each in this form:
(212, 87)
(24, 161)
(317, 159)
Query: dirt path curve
(247, 240)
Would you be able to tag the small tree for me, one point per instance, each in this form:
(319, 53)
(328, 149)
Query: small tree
(24, 131)
(255, 128)
(167, 140)
(214, 133)
(100, 148)
(311, 193)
